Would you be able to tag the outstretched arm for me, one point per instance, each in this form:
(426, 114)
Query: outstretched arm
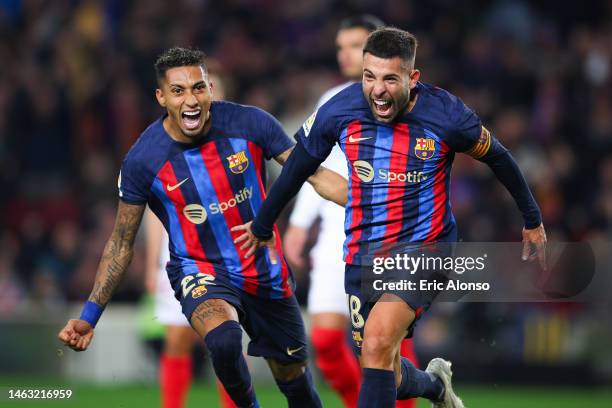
(490, 151)
(534, 236)
(258, 233)
(117, 255)
(327, 183)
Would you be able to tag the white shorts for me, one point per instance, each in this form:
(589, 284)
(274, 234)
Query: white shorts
(167, 309)
(326, 293)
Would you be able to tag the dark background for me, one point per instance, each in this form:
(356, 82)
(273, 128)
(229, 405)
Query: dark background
(77, 88)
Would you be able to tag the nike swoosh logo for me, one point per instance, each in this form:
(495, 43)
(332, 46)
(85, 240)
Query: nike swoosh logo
(174, 187)
(358, 139)
(293, 351)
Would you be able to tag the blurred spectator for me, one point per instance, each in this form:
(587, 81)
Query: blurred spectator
(77, 88)
(13, 294)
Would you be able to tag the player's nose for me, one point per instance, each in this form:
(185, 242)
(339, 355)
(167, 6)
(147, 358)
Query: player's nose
(379, 89)
(191, 100)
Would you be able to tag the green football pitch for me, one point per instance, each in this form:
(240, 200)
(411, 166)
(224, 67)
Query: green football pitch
(204, 396)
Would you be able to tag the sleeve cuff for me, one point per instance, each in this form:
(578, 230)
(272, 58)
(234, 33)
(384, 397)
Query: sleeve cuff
(533, 221)
(261, 232)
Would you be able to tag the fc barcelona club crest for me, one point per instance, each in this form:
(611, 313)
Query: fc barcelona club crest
(198, 291)
(238, 162)
(425, 148)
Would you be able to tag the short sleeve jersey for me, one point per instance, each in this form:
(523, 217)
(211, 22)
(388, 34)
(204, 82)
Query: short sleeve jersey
(199, 191)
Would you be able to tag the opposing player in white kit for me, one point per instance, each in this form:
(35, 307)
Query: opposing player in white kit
(326, 297)
(176, 365)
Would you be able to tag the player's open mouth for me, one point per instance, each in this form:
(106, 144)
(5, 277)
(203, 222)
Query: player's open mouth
(191, 119)
(383, 107)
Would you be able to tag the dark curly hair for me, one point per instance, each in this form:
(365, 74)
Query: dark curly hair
(178, 57)
(390, 42)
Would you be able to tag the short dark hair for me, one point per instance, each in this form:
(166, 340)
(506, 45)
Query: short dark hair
(390, 42)
(367, 21)
(178, 57)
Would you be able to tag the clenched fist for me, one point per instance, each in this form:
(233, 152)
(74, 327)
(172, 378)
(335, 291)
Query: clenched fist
(77, 334)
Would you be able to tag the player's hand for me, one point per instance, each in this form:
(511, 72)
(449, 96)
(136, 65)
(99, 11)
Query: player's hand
(534, 245)
(252, 243)
(77, 334)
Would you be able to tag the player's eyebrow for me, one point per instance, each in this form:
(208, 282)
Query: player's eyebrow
(175, 85)
(391, 76)
(384, 76)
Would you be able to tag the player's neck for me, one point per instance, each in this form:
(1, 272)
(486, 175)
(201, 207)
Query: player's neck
(410, 105)
(412, 101)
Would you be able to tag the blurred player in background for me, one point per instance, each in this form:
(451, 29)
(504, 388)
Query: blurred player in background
(326, 296)
(176, 364)
(399, 137)
(200, 168)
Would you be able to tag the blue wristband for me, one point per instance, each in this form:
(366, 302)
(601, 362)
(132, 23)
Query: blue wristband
(91, 313)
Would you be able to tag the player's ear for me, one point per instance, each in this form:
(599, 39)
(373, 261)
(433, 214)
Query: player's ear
(415, 74)
(159, 94)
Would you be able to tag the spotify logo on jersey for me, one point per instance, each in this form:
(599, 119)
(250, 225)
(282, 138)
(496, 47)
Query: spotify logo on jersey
(366, 173)
(195, 213)
(364, 170)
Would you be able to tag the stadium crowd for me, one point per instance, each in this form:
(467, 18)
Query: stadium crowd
(76, 90)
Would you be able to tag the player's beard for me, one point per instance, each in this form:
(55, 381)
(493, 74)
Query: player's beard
(398, 106)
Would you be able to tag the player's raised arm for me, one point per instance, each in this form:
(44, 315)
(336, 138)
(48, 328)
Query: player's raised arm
(298, 167)
(315, 140)
(117, 255)
(490, 151)
(327, 183)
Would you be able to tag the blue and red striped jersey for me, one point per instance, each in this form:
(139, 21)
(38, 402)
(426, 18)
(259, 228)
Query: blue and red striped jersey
(399, 173)
(199, 191)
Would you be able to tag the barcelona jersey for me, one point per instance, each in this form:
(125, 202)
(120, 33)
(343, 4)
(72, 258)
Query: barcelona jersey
(399, 173)
(199, 191)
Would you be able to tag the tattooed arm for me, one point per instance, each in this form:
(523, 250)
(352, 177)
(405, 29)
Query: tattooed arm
(117, 255)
